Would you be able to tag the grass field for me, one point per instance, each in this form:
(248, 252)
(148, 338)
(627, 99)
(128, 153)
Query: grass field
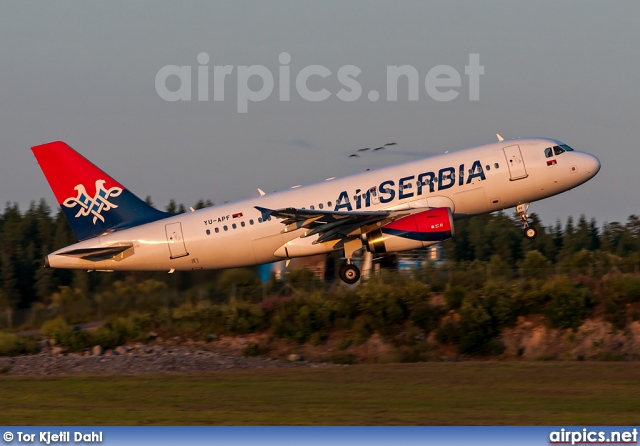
(472, 393)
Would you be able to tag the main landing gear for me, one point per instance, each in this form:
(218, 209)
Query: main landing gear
(350, 273)
(529, 231)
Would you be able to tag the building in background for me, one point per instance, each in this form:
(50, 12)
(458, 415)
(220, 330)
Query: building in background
(323, 266)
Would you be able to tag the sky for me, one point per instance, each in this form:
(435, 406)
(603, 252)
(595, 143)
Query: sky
(85, 73)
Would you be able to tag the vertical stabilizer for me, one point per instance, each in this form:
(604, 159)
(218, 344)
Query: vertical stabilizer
(92, 201)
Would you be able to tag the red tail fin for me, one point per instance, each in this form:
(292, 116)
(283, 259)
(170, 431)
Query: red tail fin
(92, 201)
(65, 169)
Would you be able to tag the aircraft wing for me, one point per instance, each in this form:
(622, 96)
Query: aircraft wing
(331, 225)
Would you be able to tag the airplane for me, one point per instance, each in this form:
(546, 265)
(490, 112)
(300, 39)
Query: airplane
(396, 208)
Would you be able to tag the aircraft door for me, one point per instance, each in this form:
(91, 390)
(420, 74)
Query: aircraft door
(175, 240)
(515, 162)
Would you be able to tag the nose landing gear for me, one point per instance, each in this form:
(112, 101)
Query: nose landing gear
(529, 231)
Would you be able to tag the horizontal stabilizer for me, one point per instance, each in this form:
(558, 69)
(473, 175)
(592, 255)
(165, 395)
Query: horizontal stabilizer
(97, 254)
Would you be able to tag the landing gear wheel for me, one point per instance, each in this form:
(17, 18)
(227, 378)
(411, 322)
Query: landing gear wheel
(349, 273)
(529, 232)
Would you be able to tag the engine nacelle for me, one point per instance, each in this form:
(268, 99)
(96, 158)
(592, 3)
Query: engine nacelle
(411, 232)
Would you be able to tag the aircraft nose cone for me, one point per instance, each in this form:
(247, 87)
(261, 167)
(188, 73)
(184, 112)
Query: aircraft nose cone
(592, 165)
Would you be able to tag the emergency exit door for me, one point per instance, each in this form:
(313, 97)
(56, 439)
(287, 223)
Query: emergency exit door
(517, 169)
(175, 240)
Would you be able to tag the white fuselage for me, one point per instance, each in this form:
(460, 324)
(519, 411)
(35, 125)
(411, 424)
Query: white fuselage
(485, 179)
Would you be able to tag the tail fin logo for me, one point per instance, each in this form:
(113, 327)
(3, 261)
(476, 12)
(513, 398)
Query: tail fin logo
(93, 205)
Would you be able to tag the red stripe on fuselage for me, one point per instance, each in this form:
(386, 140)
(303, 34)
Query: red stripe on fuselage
(65, 168)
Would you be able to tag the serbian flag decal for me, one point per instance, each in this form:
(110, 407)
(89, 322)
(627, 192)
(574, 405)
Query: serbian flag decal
(238, 215)
(552, 163)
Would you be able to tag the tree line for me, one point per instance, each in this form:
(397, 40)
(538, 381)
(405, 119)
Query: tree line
(26, 237)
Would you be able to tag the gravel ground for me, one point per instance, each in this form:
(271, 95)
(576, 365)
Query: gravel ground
(137, 360)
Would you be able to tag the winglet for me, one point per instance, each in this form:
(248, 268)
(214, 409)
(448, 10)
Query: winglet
(261, 192)
(500, 138)
(266, 213)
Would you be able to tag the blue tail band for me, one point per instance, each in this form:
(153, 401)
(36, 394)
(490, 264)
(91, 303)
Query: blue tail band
(91, 217)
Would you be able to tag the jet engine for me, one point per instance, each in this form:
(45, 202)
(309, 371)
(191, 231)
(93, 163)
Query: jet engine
(411, 232)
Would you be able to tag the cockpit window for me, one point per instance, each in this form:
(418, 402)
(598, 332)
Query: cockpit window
(566, 147)
(548, 153)
(558, 150)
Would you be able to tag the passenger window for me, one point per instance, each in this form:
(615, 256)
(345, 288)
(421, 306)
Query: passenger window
(225, 228)
(312, 207)
(242, 224)
(548, 153)
(496, 165)
(234, 226)
(320, 206)
(488, 167)
(558, 150)
(208, 232)
(328, 204)
(250, 222)
(217, 230)
(260, 220)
